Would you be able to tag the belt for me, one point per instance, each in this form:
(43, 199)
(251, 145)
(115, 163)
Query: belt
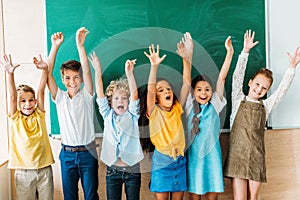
(130, 169)
(75, 149)
(87, 147)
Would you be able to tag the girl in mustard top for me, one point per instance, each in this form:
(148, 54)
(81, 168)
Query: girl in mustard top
(168, 175)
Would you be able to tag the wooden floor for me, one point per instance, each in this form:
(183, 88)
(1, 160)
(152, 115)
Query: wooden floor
(283, 169)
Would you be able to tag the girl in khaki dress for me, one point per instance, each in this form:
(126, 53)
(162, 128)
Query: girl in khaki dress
(245, 163)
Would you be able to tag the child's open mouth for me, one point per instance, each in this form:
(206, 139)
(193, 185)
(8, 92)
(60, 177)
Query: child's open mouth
(120, 107)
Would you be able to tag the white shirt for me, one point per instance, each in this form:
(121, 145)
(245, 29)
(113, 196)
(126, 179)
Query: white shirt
(76, 117)
(237, 88)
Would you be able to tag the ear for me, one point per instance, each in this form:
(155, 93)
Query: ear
(250, 81)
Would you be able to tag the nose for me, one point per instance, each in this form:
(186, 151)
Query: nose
(27, 103)
(72, 81)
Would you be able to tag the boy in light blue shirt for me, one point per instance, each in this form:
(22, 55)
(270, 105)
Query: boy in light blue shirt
(121, 148)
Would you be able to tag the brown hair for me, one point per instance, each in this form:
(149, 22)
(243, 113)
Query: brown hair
(72, 65)
(266, 72)
(26, 88)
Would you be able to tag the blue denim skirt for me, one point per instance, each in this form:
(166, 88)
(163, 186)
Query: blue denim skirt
(168, 175)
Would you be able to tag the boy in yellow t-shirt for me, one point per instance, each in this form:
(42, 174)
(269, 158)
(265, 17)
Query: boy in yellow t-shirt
(29, 147)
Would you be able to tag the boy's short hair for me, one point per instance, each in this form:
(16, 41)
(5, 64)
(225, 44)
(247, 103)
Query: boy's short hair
(25, 88)
(72, 65)
(119, 84)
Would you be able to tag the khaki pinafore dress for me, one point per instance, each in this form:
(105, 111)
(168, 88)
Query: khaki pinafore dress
(246, 155)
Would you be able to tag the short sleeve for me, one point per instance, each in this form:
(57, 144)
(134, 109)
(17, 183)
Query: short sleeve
(217, 102)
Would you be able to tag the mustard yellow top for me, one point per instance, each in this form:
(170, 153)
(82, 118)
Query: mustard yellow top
(166, 130)
(29, 146)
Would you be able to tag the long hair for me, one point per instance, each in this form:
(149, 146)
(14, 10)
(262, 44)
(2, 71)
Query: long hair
(144, 120)
(196, 107)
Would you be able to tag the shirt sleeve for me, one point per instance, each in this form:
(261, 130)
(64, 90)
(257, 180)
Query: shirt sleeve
(189, 103)
(281, 91)
(134, 107)
(58, 96)
(104, 107)
(217, 102)
(237, 84)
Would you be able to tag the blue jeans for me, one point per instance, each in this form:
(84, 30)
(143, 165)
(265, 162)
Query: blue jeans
(116, 176)
(79, 165)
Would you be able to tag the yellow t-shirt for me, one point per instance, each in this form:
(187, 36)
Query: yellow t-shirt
(166, 130)
(29, 146)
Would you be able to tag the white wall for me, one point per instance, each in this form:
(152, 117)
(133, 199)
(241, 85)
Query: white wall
(22, 34)
(284, 36)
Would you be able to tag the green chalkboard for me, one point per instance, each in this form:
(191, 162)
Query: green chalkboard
(123, 29)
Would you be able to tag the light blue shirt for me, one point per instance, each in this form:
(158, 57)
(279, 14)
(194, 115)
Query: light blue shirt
(120, 134)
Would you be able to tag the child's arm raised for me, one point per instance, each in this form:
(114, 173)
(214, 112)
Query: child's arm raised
(56, 40)
(129, 66)
(86, 72)
(98, 74)
(185, 49)
(225, 68)
(239, 72)
(41, 64)
(10, 68)
(285, 83)
(155, 60)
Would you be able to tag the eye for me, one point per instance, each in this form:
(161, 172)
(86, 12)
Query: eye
(160, 90)
(23, 100)
(124, 98)
(207, 89)
(31, 100)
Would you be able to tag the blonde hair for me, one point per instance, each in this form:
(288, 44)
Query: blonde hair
(117, 85)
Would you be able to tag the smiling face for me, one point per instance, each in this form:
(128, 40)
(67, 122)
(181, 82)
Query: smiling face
(119, 102)
(26, 102)
(164, 95)
(72, 81)
(259, 86)
(203, 92)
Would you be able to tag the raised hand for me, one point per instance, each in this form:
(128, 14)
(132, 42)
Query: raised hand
(7, 64)
(185, 47)
(295, 58)
(154, 55)
(40, 64)
(57, 39)
(249, 41)
(95, 62)
(228, 45)
(81, 35)
(129, 65)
